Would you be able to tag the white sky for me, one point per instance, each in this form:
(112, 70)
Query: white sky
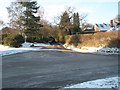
(98, 11)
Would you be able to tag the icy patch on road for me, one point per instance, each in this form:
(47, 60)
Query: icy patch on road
(100, 50)
(100, 83)
(6, 50)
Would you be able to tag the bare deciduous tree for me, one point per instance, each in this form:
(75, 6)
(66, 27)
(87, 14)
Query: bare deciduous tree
(117, 19)
(69, 10)
(83, 19)
(15, 11)
(2, 23)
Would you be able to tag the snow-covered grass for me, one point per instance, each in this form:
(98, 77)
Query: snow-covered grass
(6, 50)
(99, 50)
(108, 50)
(111, 82)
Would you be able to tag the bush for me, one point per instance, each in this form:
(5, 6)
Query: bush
(13, 40)
(100, 39)
(61, 36)
(2, 36)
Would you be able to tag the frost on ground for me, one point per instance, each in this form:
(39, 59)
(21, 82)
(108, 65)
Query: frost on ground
(100, 50)
(6, 50)
(100, 83)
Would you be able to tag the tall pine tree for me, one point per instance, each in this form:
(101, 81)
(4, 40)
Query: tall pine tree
(76, 23)
(65, 23)
(30, 21)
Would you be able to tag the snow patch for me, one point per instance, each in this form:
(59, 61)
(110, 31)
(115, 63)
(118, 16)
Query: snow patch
(100, 83)
(100, 50)
(108, 50)
(6, 50)
(37, 44)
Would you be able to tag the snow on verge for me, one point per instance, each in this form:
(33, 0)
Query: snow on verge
(37, 44)
(99, 83)
(6, 50)
(100, 50)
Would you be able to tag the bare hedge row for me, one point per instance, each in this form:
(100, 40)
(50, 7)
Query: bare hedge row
(100, 39)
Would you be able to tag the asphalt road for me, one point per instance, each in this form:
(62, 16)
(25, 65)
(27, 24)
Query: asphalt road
(55, 68)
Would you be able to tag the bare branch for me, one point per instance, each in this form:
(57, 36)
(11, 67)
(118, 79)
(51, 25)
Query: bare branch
(2, 23)
(117, 19)
(83, 16)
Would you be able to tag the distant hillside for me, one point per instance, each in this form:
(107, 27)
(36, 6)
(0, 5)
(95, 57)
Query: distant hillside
(9, 30)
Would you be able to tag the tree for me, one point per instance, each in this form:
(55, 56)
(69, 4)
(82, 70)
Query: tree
(2, 24)
(13, 40)
(30, 19)
(82, 19)
(76, 23)
(65, 23)
(15, 11)
(40, 13)
(70, 11)
(117, 19)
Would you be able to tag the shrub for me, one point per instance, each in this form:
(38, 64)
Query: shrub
(74, 40)
(2, 36)
(100, 39)
(13, 40)
(61, 36)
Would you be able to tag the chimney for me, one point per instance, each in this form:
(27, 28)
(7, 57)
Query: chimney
(111, 23)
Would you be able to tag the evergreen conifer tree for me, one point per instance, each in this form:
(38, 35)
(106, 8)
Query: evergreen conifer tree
(76, 23)
(30, 21)
(65, 23)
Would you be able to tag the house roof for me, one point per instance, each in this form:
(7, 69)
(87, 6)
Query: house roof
(103, 27)
(9, 30)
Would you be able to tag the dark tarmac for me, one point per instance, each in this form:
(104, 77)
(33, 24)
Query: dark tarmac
(55, 68)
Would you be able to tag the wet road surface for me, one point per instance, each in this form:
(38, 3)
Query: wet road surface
(55, 68)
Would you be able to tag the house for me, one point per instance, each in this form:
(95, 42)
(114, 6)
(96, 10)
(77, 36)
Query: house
(118, 26)
(102, 27)
(9, 30)
(107, 27)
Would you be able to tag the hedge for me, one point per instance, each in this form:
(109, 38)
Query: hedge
(13, 40)
(100, 39)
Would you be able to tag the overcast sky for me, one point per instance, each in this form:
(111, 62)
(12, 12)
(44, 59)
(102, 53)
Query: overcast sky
(99, 11)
